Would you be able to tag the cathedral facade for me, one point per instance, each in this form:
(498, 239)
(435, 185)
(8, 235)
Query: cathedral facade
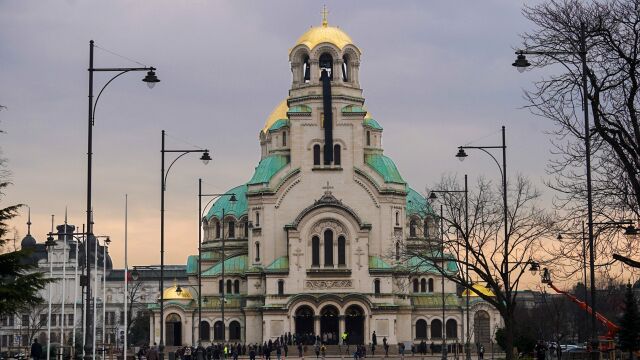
(312, 243)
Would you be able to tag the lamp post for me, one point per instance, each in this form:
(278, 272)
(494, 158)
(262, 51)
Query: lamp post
(163, 187)
(461, 155)
(200, 220)
(433, 196)
(50, 246)
(521, 64)
(151, 80)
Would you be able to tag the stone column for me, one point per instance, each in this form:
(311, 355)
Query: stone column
(296, 70)
(315, 71)
(341, 326)
(316, 324)
(337, 71)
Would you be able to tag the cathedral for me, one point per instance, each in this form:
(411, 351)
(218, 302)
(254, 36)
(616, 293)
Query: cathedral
(310, 244)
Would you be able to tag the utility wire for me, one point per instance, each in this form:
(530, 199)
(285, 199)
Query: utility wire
(121, 56)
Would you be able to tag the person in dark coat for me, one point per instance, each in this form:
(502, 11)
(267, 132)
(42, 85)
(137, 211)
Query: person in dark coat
(36, 350)
(374, 338)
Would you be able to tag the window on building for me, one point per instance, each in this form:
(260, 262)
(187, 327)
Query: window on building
(218, 330)
(426, 228)
(436, 329)
(397, 218)
(316, 154)
(257, 219)
(280, 287)
(229, 286)
(236, 287)
(217, 230)
(257, 251)
(205, 330)
(315, 251)
(368, 138)
(342, 251)
(430, 285)
(284, 138)
(416, 285)
(54, 317)
(336, 154)
(43, 319)
(423, 285)
(232, 229)
(345, 68)
(397, 251)
(452, 329)
(246, 228)
(326, 64)
(421, 329)
(71, 319)
(328, 248)
(25, 319)
(412, 228)
(376, 286)
(220, 286)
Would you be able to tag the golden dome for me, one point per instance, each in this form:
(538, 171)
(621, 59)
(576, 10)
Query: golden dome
(170, 293)
(280, 112)
(324, 33)
(477, 288)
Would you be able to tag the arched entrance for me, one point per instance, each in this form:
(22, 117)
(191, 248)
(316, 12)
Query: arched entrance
(329, 324)
(173, 330)
(235, 331)
(205, 330)
(354, 324)
(481, 321)
(304, 323)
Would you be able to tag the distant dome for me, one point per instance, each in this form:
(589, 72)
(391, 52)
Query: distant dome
(280, 112)
(479, 289)
(324, 33)
(28, 241)
(171, 293)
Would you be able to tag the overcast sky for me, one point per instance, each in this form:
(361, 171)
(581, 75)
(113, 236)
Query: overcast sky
(435, 75)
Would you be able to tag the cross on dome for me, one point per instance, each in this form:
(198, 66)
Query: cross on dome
(325, 12)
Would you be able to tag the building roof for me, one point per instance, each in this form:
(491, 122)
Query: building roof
(418, 204)
(235, 265)
(324, 34)
(371, 123)
(434, 300)
(237, 209)
(280, 264)
(376, 263)
(279, 124)
(267, 168)
(279, 112)
(385, 167)
(479, 289)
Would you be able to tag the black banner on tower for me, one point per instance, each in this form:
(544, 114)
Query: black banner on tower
(328, 117)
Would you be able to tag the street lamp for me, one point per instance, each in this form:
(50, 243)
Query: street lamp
(151, 79)
(433, 196)
(521, 63)
(200, 220)
(163, 187)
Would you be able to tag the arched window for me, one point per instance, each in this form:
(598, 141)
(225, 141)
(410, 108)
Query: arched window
(205, 331)
(326, 63)
(336, 154)
(246, 228)
(452, 329)
(397, 218)
(229, 285)
(412, 228)
(345, 68)
(421, 329)
(430, 285)
(328, 248)
(280, 287)
(368, 138)
(423, 285)
(426, 228)
(220, 286)
(306, 70)
(257, 251)
(257, 218)
(217, 230)
(436, 329)
(218, 330)
(342, 251)
(235, 332)
(284, 138)
(397, 251)
(236, 287)
(376, 286)
(315, 251)
(416, 286)
(232, 229)
(316, 154)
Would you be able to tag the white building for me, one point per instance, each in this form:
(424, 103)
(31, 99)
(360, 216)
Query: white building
(310, 244)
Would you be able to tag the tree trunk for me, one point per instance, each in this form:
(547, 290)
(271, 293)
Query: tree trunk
(508, 330)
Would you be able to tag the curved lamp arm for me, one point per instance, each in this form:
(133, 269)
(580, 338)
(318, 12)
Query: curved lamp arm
(93, 113)
(164, 182)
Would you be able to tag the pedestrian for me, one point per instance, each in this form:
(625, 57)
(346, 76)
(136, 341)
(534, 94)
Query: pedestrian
(152, 354)
(385, 346)
(401, 350)
(481, 353)
(316, 348)
(323, 350)
(36, 350)
(285, 347)
(540, 350)
(373, 349)
(559, 352)
(252, 352)
(432, 347)
(374, 338)
(300, 353)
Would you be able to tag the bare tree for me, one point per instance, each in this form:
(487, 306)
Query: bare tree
(38, 317)
(528, 226)
(612, 32)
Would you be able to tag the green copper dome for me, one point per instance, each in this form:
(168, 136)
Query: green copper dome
(267, 168)
(417, 204)
(238, 209)
(236, 265)
(385, 167)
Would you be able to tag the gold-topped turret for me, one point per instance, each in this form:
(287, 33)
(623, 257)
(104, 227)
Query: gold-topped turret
(324, 33)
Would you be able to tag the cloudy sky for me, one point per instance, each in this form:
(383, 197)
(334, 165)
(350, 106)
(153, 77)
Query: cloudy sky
(435, 74)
